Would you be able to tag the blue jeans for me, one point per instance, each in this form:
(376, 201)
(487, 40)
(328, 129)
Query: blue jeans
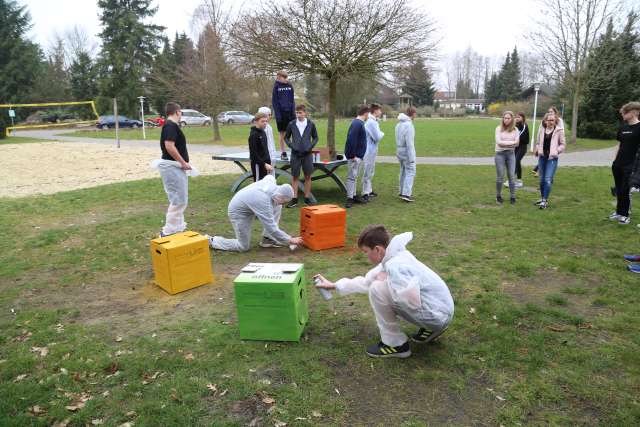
(546, 169)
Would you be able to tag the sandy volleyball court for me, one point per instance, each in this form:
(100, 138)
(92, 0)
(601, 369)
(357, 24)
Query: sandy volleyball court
(51, 167)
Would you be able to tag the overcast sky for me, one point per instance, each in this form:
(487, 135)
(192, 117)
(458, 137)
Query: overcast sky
(490, 27)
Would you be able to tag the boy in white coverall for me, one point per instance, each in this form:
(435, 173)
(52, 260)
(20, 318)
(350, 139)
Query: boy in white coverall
(271, 142)
(406, 152)
(264, 200)
(173, 169)
(374, 136)
(399, 286)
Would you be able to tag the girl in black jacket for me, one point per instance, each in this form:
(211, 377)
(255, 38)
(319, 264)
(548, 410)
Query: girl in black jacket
(259, 149)
(521, 150)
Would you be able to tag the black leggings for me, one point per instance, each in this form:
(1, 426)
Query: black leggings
(521, 150)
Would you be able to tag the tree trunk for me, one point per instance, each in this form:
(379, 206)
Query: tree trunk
(574, 114)
(216, 125)
(331, 117)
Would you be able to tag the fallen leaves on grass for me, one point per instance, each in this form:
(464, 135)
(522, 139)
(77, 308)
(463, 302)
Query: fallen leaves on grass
(130, 414)
(268, 400)
(23, 336)
(59, 328)
(150, 378)
(189, 356)
(472, 310)
(555, 328)
(118, 339)
(37, 410)
(97, 422)
(337, 391)
(20, 378)
(585, 326)
(278, 423)
(79, 401)
(127, 424)
(255, 422)
(212, 387)
(63, 423)
(64, 371)
(316, 414)
(42, 351)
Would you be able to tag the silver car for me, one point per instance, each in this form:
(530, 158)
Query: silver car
(231, 117)
(194, 118)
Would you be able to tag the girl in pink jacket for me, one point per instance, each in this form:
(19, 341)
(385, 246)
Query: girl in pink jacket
(549, 145)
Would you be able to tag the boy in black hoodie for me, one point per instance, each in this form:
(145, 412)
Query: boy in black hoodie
(258, 148)
(301, 137)
(282, 100)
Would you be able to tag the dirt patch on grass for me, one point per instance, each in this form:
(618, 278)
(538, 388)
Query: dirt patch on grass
(549, 289)
(380, 396)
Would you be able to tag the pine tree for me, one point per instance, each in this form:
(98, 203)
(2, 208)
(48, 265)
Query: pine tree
(128, 48)
(54, 83)
(613, 70)
(20, 59)
(512, 83)
(492, 90)
(418, 83)
(83, 76)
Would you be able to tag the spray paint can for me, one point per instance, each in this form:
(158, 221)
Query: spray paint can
(326, 294)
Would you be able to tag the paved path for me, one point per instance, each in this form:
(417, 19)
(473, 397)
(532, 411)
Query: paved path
(602, 157)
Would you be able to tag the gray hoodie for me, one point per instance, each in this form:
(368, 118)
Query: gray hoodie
(405, 135)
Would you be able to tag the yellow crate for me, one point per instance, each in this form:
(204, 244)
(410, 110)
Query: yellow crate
(181, 261)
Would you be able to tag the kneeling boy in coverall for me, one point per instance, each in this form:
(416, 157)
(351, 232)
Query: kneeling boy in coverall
(264, 200)
(399, 286)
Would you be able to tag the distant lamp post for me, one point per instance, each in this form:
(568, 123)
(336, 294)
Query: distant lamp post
(536, 87)
(142, 98)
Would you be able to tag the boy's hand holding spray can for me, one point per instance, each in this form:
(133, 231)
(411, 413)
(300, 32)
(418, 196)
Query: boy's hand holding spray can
(318, 281)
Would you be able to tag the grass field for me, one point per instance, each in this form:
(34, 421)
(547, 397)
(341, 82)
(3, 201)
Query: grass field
(546, 331)
(20, 140)
(434, 137)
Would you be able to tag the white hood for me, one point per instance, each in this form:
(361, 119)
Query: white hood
(396, 245)
(403, 117)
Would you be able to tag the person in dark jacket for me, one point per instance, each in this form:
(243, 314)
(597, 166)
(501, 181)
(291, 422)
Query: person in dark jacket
(282, 100)
(259, 149)
(623, 165)
(521, 149)
(301, 136)
(354, 151)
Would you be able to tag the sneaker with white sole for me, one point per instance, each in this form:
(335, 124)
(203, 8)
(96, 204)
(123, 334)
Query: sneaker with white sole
(537, 202)
(269, 243)
(624, 220)
(614, 217)
(383, 350)
(424, 336)
(543, 204)
(408, 199)
(519, 183)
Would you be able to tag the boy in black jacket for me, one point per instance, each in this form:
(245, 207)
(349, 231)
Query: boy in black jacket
(258, 148)
(282, 100)
(354, 151)
(301, 137)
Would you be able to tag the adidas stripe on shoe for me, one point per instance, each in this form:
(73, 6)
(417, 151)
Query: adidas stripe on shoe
(382, 350)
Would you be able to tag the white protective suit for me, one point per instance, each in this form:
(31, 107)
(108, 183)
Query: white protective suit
(271, 142)
(406, 153)
(374, 136)
(176, 185)
(401, 286)
(262, 199)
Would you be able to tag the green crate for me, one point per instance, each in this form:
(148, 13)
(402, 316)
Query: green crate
(271, 301)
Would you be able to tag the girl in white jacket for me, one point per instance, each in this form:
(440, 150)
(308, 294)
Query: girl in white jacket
(399, 286)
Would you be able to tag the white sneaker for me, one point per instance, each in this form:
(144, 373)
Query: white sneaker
(506, 184)
(519, 183)
(614, 217)
(624, 220)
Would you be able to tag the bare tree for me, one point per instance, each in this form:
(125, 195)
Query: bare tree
(564, 36)
(334, 39)
(78, 41)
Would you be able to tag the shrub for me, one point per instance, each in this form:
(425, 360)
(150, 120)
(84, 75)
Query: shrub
(597, 130)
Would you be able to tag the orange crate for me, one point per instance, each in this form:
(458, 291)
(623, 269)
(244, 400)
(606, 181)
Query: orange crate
(323, 226)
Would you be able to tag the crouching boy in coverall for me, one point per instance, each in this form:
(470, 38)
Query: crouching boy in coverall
(399, 286)
(264, 200)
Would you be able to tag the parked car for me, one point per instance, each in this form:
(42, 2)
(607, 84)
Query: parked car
(194, 118)
(155, 121)
(123, 122)
(231, 117)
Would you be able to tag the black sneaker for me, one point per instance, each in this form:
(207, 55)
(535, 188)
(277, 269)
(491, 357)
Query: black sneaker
(283, 156)
(349, 203)
(512, 200)
(383, 350)
(293, 203)
(499, 200)
(269, 243)
(543, 204)
(408, 199)
(365, 198)
(373, 194)
(537, 202)
(308, 201)
(359, 200)
(424, 336)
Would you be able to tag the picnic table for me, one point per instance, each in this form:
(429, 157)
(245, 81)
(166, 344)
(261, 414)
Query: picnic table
(327, 167)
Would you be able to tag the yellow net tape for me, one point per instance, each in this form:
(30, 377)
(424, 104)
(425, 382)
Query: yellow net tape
(51, 104)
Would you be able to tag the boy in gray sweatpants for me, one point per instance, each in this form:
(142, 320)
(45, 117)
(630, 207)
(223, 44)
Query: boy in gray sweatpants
(374, 136)
(406, 153)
